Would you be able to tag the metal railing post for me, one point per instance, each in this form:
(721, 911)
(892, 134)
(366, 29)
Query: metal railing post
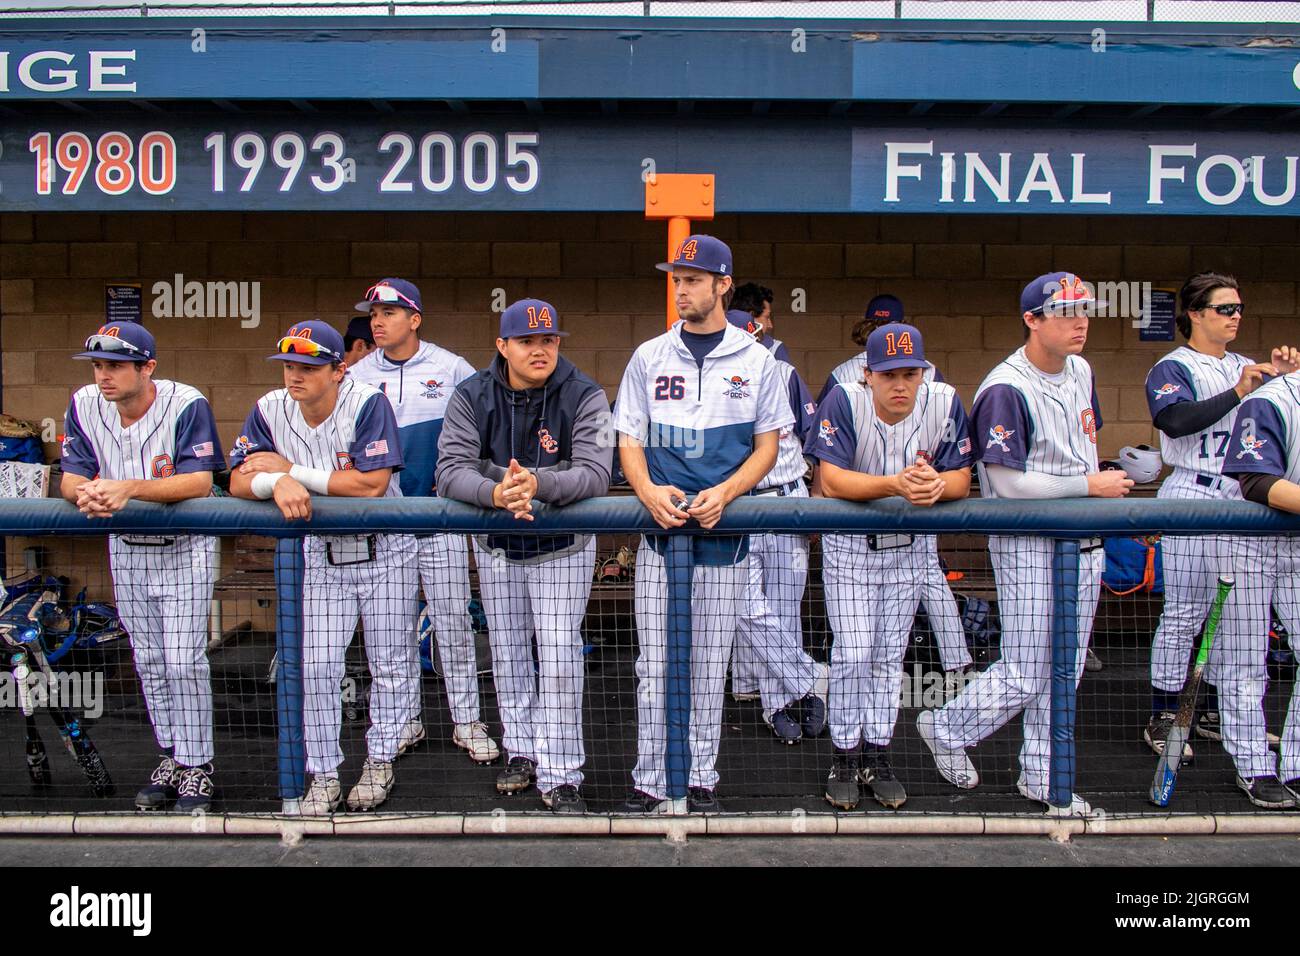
(291, 753)
(678, 568)
(1065, 656)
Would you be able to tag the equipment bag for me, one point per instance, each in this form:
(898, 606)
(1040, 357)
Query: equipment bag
(1133, 565)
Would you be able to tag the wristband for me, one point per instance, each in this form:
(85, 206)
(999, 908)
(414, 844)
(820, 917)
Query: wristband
(316, 480)
(263, 483)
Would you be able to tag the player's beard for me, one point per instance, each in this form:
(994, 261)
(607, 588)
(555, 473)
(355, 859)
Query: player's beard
(690, 315)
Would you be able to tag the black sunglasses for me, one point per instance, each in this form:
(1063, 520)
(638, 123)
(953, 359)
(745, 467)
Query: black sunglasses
(1229, 309)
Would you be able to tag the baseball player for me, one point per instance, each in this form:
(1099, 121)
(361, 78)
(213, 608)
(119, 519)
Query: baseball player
(326, 433)
(698, 414)
(936, 595)
(1263, 455)
(358, 341)
(418, 378)
(128, 437)
(531, 428)
(1035, 422)
(769, 633)
(756, 300)
(1193, 393)
(893, 435)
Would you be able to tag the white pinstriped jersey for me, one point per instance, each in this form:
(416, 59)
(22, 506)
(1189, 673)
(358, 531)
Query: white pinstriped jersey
(1186, 375)
(1266, 434)
(851, 435)
(360, 433)
(419, 390)
(1028, 420)
(790, 465)
(177, 435)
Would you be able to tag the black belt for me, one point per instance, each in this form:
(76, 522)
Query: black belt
(1206, 481)
(782, 490)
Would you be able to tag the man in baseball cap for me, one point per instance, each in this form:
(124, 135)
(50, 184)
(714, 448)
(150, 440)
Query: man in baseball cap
(893, 435)
(358, 340)
(529, 428)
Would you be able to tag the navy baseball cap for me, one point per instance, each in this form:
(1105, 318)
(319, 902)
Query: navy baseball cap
(359, 328)
(392, 292)
(120, 342)
(701, 252)
(895, 346)
(310, 343)
(1056, 289)
(884, 308)
(744, 321)
(530, 317)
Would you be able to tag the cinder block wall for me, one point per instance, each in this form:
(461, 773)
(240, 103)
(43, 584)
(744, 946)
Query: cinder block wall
(958, 276)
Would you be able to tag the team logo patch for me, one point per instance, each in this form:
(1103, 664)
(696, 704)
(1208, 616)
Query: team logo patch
(826, 431)
(244, 445)
(67, 443)
(737, 387)
(963, 447)
(376, 448)
(162, 467)
(925, 456)
(1089, 420)
(549, 444)
(1166, 389)
(998, 435)
(810, 408)
(343, 461)
(1250, 445)
(432, 388)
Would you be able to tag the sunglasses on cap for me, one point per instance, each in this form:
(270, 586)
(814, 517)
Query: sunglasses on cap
(111, 343)
(1228, 309)
(386, 293)
(297, 345)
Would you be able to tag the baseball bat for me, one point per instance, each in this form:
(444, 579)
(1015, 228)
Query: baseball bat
(75, 739)
(1162, 786)
(38, 763)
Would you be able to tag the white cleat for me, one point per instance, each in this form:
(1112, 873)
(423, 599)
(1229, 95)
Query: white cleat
(373, 788)
(474, 738)
(954, 765)
(412, 737)
(1078, 807)
(322, 797)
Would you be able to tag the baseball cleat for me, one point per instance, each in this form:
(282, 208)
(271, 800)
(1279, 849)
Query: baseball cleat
(518, 774)
(842, 789)
(1293, 787)
(877, 774)
(162, 786)
(373, 788)
(702, 800)
(1078, 807)
(1266, 792)
(474, 738)
(565, 799)
(322, 797)
(954, 765)
(1207, 725)
(412, 737)
(1091, 662)
(813, 707)
(1157, 732)
(785, 727)
(194, 793)
(742, 696)
(638, 801)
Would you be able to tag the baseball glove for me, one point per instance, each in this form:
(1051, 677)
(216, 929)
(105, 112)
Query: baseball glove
(11, 427)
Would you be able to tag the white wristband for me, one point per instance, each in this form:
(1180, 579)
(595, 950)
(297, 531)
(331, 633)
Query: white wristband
(316, 480)
(264, 483)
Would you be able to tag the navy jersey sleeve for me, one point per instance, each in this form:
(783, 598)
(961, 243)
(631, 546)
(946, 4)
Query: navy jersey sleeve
(782, 354)
(955, 449)
(1258, 443)
(803, 406)
(938, 376)
(1168, 384)
(1000, 427)
(197, 446)
(831, 382)
(834, 439)
(79, 456)
(1096, 406)
(375, 443)
(254, 437)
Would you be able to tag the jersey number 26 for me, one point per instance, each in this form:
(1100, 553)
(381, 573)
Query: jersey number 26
(670, 387)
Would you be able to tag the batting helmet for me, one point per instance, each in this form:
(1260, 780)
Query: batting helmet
(1141, 463)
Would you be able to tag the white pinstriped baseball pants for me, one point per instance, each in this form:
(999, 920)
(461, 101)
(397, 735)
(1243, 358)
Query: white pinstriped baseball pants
(382, 593)
(164, 596)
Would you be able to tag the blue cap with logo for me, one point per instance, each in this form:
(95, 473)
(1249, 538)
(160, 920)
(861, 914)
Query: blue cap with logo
(701, 252)
(744, 321)
(359, 328)
(309, 343)
(895, 345)
(530, 317)
(1056, 290)
(884, 308)
(392, 292)
(120, 342)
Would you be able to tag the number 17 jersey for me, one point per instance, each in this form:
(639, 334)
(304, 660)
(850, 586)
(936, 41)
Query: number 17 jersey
(1186, 375)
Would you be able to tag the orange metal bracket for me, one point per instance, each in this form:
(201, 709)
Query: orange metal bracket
(679, 198)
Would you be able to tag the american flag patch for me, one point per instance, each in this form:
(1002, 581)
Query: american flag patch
(963, 447)
(203, 450)
(810, 408)
(377, 448)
